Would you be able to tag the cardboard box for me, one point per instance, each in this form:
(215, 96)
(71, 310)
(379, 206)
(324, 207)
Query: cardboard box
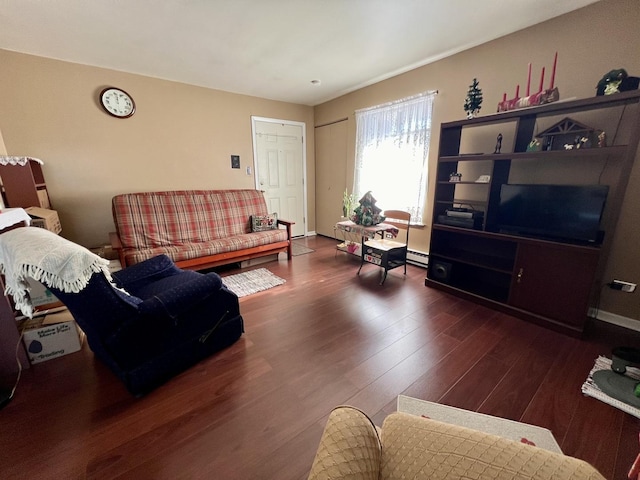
(51, 336)
(43, 198)
(114, 266)
(44, 218)
(39, 294)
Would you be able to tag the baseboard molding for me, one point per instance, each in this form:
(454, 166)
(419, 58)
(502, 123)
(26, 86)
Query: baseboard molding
(615, 319)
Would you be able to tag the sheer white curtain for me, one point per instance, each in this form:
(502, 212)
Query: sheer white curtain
(392, 150)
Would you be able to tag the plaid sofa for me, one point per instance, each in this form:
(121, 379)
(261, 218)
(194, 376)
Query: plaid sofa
(197, 229)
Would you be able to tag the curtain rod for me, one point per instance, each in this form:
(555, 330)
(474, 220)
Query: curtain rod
(400, 100)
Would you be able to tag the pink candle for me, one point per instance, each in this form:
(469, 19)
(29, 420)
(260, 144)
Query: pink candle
(553, 72)
(517, 91)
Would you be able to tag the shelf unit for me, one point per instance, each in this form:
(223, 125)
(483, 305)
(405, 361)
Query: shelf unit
(544, 281)
(24, 186)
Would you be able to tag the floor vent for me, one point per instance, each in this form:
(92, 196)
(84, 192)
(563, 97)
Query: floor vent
(421, 259)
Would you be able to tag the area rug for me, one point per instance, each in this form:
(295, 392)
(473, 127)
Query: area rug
(254, 281)
(590, 389)
(502, 427)
(297, 249)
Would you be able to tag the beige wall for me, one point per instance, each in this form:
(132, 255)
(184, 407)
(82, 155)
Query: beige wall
(181, 137)
(589, 42)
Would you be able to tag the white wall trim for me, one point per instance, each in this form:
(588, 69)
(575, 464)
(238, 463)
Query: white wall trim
(615, 319)
(303, 125)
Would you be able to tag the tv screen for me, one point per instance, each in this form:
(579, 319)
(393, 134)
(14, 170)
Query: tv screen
(557, 212)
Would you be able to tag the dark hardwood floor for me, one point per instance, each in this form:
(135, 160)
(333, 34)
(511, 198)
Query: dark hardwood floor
(327, 337)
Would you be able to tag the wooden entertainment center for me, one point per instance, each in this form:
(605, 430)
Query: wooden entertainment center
(547, 281)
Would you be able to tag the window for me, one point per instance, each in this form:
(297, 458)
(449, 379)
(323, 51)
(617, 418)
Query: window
(392, 150)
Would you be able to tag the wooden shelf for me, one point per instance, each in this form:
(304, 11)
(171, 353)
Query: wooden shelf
(24, 186)
(547, 281)
(616, 150)
(555, 108)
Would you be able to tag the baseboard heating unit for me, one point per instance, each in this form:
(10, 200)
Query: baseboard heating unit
(420, 259)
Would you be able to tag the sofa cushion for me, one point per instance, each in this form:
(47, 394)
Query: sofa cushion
(189, 251)
(261, 223)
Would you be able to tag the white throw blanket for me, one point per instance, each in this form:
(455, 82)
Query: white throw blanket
(44, 256)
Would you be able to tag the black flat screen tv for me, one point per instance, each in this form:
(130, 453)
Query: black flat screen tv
(569, 213)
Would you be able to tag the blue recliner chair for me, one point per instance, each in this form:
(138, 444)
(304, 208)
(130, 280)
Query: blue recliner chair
(159, 321)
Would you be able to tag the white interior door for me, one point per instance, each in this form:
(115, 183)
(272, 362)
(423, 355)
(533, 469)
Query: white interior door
(279, 163)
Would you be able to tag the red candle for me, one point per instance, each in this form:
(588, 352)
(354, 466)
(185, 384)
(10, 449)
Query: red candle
(541, 80)
(553, 72)
(529, 80)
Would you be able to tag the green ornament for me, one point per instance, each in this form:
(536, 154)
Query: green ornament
(473, 102)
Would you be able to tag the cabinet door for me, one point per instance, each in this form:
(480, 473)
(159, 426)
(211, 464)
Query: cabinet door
(331, 177)
(554, 282)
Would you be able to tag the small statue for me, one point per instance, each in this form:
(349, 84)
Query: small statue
(602, 139)
(534, 145)
(610, 83)
(498, 143)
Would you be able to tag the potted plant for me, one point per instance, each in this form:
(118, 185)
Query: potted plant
(348, 203)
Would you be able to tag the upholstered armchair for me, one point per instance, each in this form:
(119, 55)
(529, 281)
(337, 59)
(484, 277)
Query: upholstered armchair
(147, 322)
(408, 446)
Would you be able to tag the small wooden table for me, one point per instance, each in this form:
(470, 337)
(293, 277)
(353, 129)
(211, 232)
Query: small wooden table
(349, 227)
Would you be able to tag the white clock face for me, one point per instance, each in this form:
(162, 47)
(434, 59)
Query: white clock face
(117, 102)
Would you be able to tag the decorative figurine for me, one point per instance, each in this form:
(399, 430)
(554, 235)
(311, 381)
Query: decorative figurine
(602, 139)
(367, 213)
(534, 145)
(617, 81)
(455, 177)
(498, 143)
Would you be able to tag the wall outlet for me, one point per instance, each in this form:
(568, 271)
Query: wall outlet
(624, 286)
(248, 170)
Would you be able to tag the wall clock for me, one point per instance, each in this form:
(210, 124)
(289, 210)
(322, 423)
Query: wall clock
(117, 102)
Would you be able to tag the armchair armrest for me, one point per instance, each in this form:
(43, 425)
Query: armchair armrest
(287, 224)
(116, 244)
(174, 301)
(145, 272)
(349, 447)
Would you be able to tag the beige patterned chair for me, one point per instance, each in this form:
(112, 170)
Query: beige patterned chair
(411, 447)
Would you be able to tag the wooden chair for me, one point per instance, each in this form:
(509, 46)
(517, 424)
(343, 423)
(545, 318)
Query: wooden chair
(386, 252)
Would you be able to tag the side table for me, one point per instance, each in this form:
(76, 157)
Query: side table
(353, 234)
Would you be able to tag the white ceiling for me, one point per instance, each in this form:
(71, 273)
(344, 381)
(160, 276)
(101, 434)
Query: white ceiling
(265, 48)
